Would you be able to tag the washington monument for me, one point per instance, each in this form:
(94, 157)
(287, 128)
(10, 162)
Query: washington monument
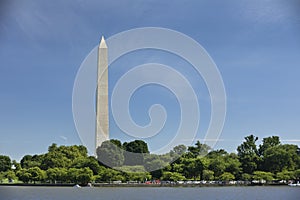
(102, 116)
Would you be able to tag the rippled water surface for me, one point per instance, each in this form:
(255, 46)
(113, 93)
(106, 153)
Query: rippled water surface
(149, 193)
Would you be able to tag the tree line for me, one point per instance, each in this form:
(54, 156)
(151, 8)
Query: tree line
(269, 161)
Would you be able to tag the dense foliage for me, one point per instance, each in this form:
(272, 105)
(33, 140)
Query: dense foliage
(268, 161)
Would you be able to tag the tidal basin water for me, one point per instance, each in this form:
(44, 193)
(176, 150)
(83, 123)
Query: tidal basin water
(149, 193)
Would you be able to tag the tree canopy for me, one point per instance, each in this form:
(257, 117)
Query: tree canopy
(268, 161)
(5, 163)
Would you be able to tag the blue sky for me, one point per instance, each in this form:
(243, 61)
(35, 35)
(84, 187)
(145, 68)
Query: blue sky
(255, 44)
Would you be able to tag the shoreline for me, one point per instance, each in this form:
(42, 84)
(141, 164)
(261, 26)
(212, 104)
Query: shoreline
(137, 185)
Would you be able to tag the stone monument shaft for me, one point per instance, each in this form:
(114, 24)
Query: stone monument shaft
(102, 115)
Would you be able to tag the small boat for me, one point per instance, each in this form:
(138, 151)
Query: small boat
(294, 184)
(89, 185)
(77, 186)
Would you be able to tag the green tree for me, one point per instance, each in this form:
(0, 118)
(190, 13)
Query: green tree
(172, 176)
(71, 164)
(36, 174)
(10, 175)
(136, 146)
(205, 162)
(55, 159)
(16, 165)
(178, 151)
(93, 164)
(138, 176)
(199, 149)
(85, 176)
(80, 176)
(131, 169)
(285, 175)
(248, 154)
(72, 175)
(268, 143)
(217, 165)
(192, 168)
(62, 156)
(227, 176)
(246, 177)
(52, 147)
(216, 153)
(29, 161)
(90, 162)
(154, 162)
(178, 167)
(57, 175)
(108, 175)
(117, 143)
(24, 175)
(281, 157)
(25, 161)
(261, 175)
(297, 174)
(207, 175)
(2, 176)
(233, 165)
(5, 163)
(72, 152)
(52, 174)
(134, 152)
(110, 155)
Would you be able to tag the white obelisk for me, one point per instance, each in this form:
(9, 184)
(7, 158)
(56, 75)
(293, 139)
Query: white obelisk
(102, 116)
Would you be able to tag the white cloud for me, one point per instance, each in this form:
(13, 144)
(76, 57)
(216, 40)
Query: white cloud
(63, 137)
